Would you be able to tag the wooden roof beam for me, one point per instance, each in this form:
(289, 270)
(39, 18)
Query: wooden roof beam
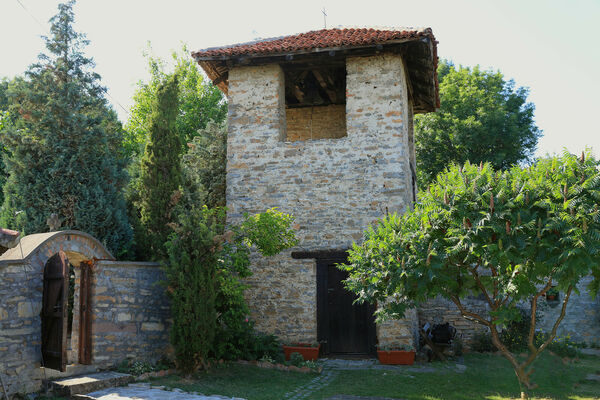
(325, 86)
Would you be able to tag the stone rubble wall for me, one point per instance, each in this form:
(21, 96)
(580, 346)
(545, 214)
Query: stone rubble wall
(131, 315)
(440, 310)
(582, 319)
(20, 326)
(335, 188)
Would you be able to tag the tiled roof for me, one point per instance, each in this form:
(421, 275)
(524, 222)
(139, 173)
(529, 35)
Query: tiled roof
(322, 39)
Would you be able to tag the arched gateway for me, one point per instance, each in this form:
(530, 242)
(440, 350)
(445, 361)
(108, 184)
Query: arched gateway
(67, 305)
(64, 259)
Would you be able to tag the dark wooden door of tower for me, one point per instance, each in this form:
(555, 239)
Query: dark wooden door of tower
(343, 327)
(54, 312)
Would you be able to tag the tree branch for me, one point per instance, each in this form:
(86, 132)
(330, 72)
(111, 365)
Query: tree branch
(495, 282)
(482, 288)
(466, 313)
(552, 335)
(533, 312)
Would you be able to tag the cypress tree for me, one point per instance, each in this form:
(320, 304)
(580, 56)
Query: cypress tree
(161, 175)
(63, 150)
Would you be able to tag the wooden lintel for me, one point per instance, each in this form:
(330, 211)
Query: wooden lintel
(320, 254)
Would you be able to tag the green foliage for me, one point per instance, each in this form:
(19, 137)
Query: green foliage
(191, 273)
(137, 368)
(482, 117)
(200, 101)
(296, 359)
(561, 346)
(161, 176)
(508, 236)
(482, 342)
(271, 232)
(515, 334)
(204, 166)
(205, 268)
(63, 144)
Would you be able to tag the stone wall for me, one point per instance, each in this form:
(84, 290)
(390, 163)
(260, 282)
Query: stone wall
(334, 187)
(310, 123)
(20, 326)
(582, 320)
(440, 310)
(130, 312)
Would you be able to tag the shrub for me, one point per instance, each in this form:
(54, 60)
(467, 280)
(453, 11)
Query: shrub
(482, 343)
(561, 346)
(204, 272)
(296, 359)
(191, 278)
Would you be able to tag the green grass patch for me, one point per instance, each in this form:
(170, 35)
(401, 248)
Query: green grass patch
(246, 381)
(487, 376)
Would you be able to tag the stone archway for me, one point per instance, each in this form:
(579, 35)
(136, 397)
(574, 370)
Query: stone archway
(37, 248)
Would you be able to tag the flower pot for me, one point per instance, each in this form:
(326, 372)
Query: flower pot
(551, 297)
(396, 357)
(307, 352)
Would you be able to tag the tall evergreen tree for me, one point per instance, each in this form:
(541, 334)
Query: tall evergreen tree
(63, 149)
(161, 175)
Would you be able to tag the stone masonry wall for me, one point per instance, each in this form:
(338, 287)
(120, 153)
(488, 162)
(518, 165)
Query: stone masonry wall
(334, 187)
(440, 310)
(130, 312)
(323, 122)
(582, 320)
(20, 326)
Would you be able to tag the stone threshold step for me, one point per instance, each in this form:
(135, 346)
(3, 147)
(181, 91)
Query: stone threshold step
(78, 385)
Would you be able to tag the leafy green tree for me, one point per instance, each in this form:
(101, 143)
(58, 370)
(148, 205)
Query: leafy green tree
(204, 166)
(506, 236)
(482, 118)
(63, 149)
(204, 272)
(199, 101)
(161, 177)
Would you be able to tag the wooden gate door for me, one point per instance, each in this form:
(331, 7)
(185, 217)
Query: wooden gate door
(85, 312)
(345, 328)
(54, 312)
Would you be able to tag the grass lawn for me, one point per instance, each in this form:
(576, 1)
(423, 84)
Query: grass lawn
(487, 376)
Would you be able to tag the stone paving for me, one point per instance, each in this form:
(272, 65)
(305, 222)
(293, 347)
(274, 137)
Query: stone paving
(324, 379)
(144, 391)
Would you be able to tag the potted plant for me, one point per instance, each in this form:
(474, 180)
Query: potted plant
(552, 294)
(396, 355)
(308, 351)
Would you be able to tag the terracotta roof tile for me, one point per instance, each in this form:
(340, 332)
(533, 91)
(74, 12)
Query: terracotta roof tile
(324, 38)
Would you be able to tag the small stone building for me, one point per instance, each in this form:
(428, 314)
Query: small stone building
(321, 126)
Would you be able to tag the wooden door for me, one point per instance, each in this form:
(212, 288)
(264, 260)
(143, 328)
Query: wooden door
(54, 312)
(344, 327)
(85, 312)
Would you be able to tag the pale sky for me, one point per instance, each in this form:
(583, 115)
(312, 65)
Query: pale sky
(550, 46)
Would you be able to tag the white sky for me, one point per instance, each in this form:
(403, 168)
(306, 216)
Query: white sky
(550, 46)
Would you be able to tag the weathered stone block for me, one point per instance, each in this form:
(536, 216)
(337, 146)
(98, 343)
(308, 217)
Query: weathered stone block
(28, 309)
(152, 326)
